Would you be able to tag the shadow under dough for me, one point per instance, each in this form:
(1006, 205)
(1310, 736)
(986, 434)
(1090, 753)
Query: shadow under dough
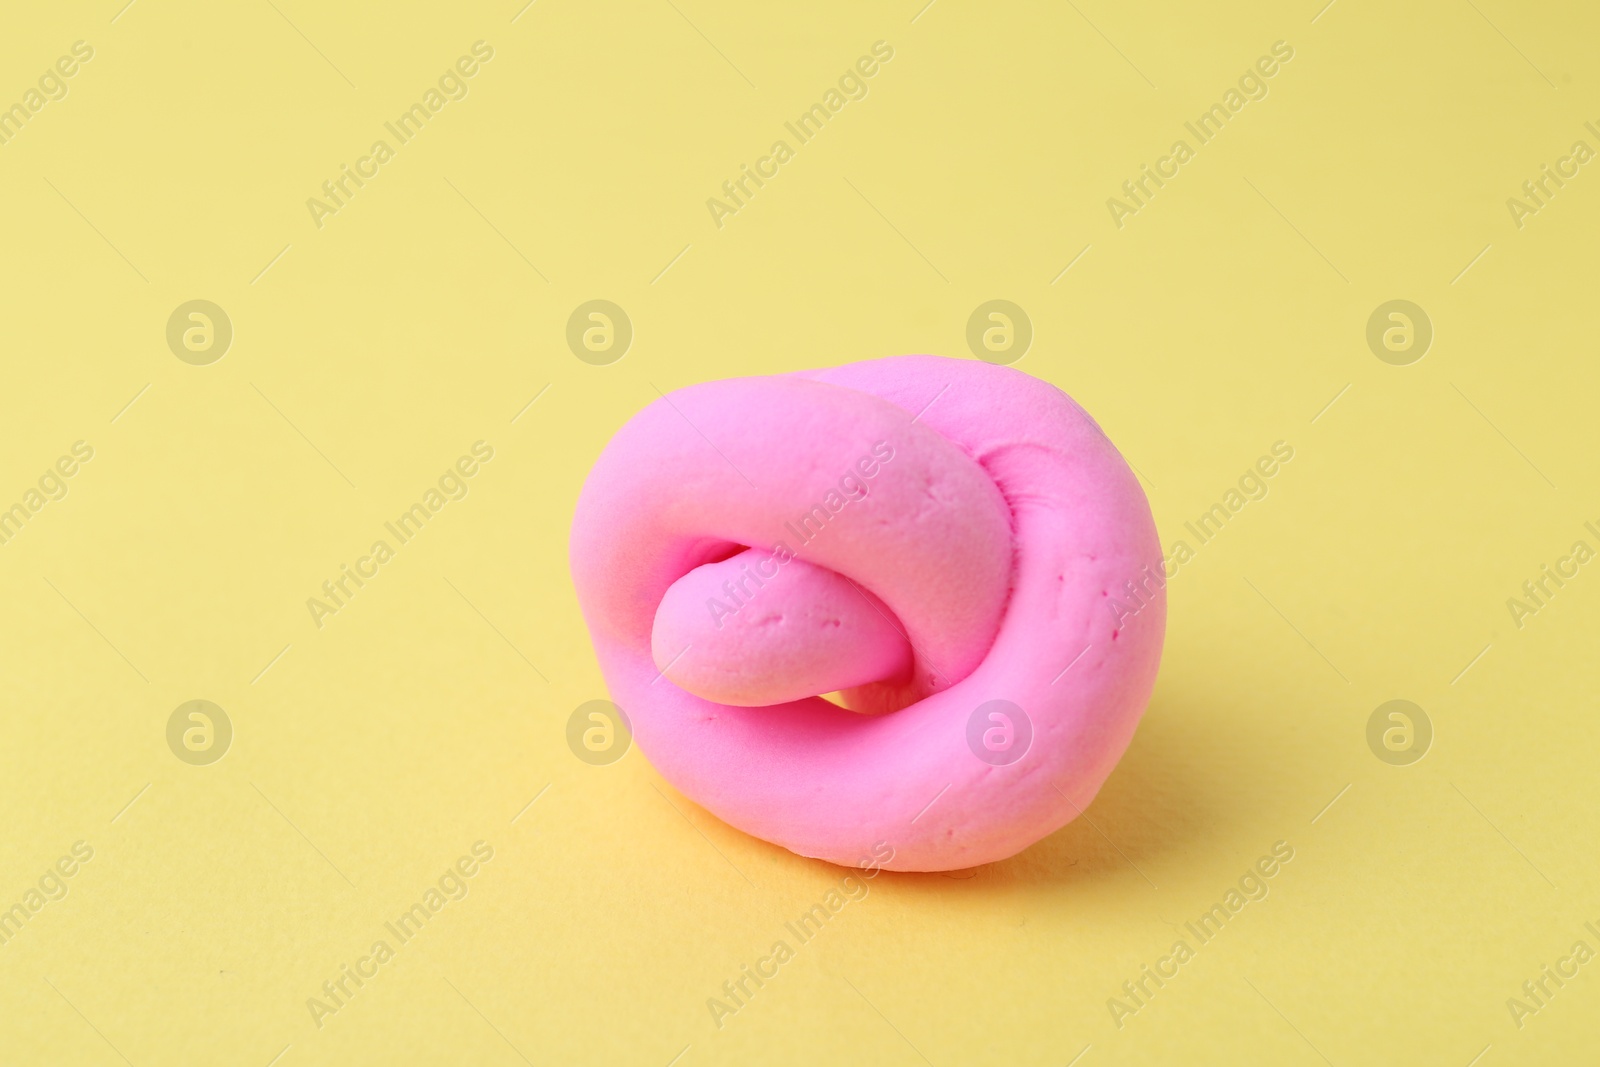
(1164, 796)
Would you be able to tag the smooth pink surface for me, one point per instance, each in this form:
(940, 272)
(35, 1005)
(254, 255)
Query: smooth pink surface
(805, 630)
(987, 548)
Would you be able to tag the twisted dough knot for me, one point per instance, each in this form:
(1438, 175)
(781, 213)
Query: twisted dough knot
(938, 541)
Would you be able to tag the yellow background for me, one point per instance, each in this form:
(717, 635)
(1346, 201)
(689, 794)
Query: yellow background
(371, 753)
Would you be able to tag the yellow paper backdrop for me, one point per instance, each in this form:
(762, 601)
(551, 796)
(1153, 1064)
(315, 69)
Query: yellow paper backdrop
(375, 340)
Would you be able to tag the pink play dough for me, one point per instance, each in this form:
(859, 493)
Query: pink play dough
(926, 535)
